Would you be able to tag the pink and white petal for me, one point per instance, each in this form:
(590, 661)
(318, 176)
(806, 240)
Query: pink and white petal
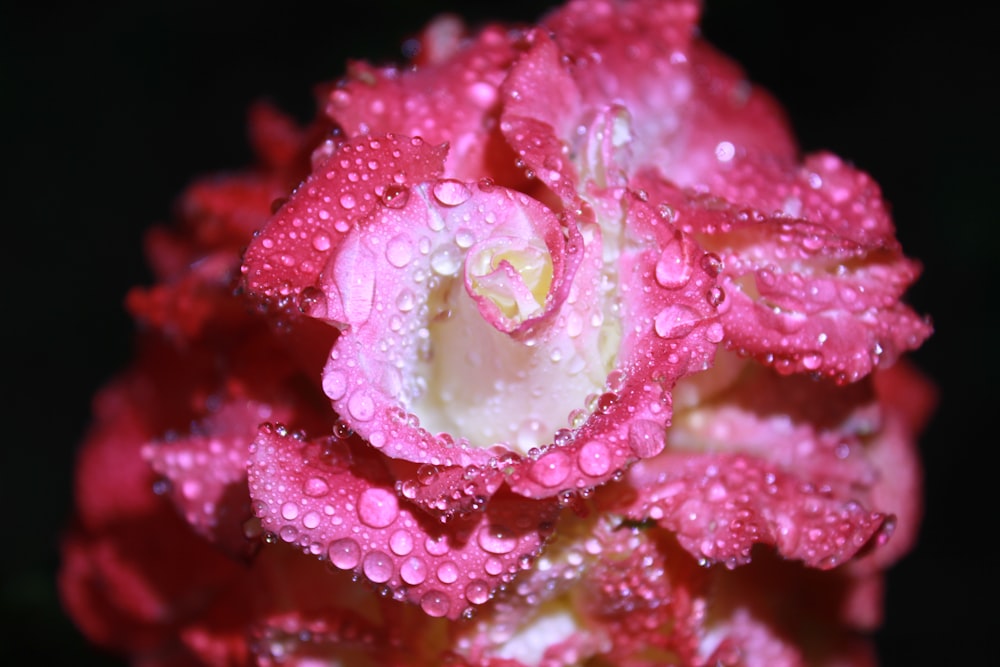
(721, 505)
(541, 108)
(454, 100)
(336, 500)
(409, 287)
(665, 328)
(796, 294)
(685, 99)
(285, 259)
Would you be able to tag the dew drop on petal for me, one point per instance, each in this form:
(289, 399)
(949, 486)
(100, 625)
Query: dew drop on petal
(413, 571)
(401, 542)
(334, 385)
(715, 333)
(361, 406)
(434, 603)
(348, 201)
(551, 469)
(496, 539)
(377, 566)
(477, 592)
(646, 438)
(450, 192)
(315, 487)
(673, 270)
(378, 507)
(447, 573)
(344, 553)
(395, 196)
(594, 458)
(675, 321)
(399, 251)
(289, 511)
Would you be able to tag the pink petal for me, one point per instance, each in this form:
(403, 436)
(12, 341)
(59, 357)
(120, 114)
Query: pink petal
(336, 501)
(797, 294)
(684, 98)
(540, 111)
(721, 505)
(289, 254)
(452, 101)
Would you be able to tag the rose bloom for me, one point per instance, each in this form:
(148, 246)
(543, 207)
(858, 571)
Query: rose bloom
(545, 348)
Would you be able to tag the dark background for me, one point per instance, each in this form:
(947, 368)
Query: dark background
(109, 111)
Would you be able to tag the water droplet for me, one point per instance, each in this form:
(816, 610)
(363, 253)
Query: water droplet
(413, 571)
(675, 321)
(477, 592)
(361, 406)
(348, 201)
(450, 192)
(594, 458)
(496, 539)
(447, 573)
(437, 546)
(321, 242)
(315, 487)
(715, 333)
(812, 360)
(673, 269)
(334, 385)
(399, 250)
(712, 264)
(377, 566)
(401, 542)
(434, 603)
(715, 296)
(289, 511)
(493, 566)
(395, 196)
(405, 302)
(646, 438)
(378, 507)
(446, 260)
(344, 553)
(551, 469)
(311, 520)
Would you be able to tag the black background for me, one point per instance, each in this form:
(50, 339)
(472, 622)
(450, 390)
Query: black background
(110, 110)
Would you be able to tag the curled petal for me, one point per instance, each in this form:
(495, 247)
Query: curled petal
(721, 505)
(286, 258)
(336, 501)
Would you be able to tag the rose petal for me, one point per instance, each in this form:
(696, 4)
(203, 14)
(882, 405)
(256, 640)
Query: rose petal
(721, 505)
(797, 295)
(361, 175)
(685, 99)
(454, 101)
(336, 501)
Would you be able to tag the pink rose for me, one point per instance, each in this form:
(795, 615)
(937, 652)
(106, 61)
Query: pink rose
(547, 347)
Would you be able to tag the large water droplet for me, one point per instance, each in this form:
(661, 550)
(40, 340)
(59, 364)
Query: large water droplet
(401, 542)
(446, 260)
(315, 487)
(477, 592)
(675, 321)
(496, 539)
(348, 201)
(673, 269)
(447, 573)
(646, 438)
(399, 250)
(450, 192)
(378, 507)
(594, 458)
(551, 469)
(361, 406)
(377, 566)
(434, 603)
(344, 553)
(413, 571)
(395, 196)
